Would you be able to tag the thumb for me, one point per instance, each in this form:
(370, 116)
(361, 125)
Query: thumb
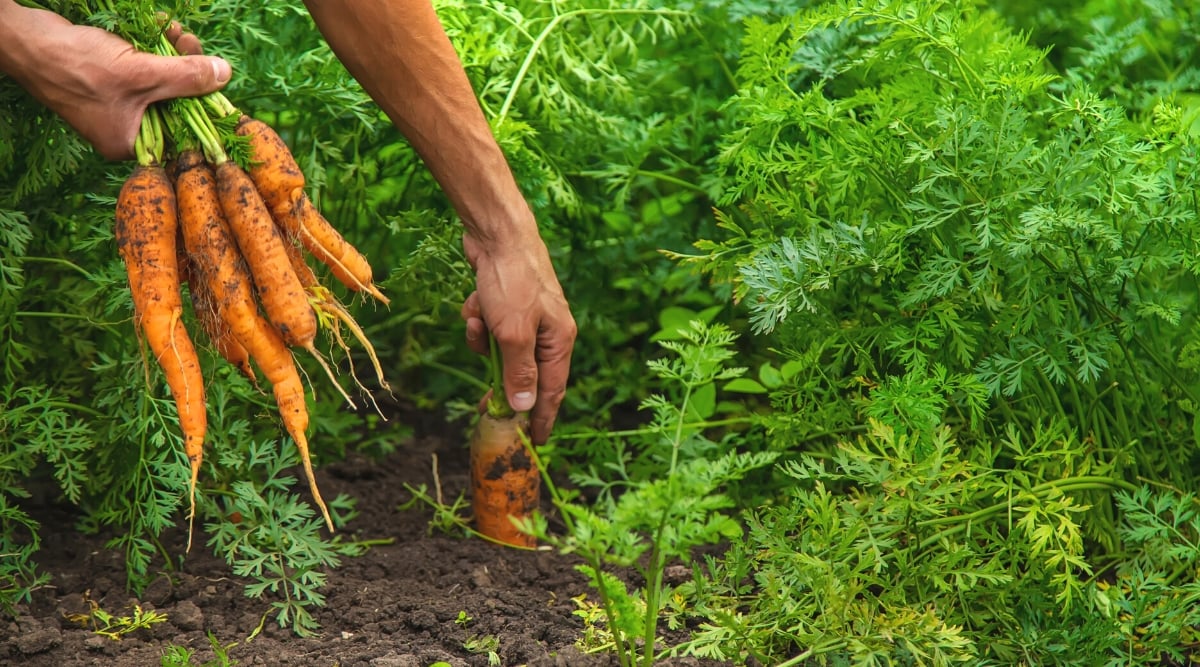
(186, 76)
(520, 375)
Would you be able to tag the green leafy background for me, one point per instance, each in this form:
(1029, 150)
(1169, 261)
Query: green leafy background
(905, 289)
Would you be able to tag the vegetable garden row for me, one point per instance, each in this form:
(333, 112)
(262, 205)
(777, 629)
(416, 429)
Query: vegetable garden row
(893, 302)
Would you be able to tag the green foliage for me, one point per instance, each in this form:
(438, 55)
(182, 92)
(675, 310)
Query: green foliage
(181, 656)
(675, 502)
(937, 232)
(929, 210)
(953, 244)
(912, 550)
(115, 627)
(274, 539)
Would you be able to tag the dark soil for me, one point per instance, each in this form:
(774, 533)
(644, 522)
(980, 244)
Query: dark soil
(395, 606)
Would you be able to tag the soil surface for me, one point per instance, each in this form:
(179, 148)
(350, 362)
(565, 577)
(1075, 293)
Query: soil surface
(394, 606)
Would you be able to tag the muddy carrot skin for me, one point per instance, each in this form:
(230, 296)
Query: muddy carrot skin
(505, 481)
(146, 233)
(281, 185)
(211, 243)
(261, 245)
(221, 337)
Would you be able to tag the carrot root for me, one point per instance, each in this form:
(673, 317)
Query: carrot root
(505, 481)
(147, 227)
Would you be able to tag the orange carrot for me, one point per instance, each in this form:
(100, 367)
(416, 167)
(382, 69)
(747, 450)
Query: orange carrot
(330, 310)
(281, 184)
(211, 243)
(205, 307)
(504, 479)
(279, 290)
(146, 229)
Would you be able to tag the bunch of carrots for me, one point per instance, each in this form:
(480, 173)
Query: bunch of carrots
(218, 203)
(239, 237)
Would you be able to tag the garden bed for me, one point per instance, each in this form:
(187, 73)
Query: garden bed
(396, 605)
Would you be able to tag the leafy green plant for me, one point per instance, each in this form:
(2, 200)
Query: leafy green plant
(116, 627)
(927, 213)
(181, 656)
(473, 643)
(275, 540)
(914, 550)
(650, 520)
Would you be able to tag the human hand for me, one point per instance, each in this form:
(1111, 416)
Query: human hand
(520, 303)
(96, 81)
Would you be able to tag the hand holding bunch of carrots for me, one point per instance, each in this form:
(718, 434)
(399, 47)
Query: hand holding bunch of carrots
(239, 237)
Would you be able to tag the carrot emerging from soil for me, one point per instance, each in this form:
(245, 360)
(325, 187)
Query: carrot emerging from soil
(146, 228)
(210, 242)
(505, 480)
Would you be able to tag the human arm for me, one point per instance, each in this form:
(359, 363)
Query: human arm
(96, 81)
(401, 56)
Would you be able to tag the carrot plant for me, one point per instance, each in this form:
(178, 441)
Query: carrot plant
(645, 523)
(987, 257)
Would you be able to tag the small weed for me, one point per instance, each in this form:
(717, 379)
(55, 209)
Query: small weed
(596, 637)
(115, 627)
(181, 656)
(489, 644)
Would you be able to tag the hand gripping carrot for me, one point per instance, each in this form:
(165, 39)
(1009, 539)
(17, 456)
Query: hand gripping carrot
(211, 244)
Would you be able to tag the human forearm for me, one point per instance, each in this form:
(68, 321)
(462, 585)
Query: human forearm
(401, 56)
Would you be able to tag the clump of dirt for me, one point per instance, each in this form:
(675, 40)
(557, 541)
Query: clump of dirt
(395, 606)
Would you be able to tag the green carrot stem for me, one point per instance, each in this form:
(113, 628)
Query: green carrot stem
(184, 139)
(497, 405)
(215, 101)
(148, 146)
(201, 125)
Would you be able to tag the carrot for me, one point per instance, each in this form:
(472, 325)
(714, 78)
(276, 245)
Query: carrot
(505, 480)
(325, 243)
(279, 289)
(330, 309)
(211, 243)
(146, 228)
(205, 307)
(281, 183)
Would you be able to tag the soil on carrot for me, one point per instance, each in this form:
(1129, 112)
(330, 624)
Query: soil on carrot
(395, 606)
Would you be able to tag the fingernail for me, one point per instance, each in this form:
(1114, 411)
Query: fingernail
(522, 401)
(221, 70)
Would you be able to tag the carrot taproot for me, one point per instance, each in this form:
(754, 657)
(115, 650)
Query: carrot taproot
(146, 230)
(331, 310)
(281, 183)
(257, 237)
(279, 290)
(505, 479)
(222, 338)
(325, 243)
(211, 242)
(505, 482)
